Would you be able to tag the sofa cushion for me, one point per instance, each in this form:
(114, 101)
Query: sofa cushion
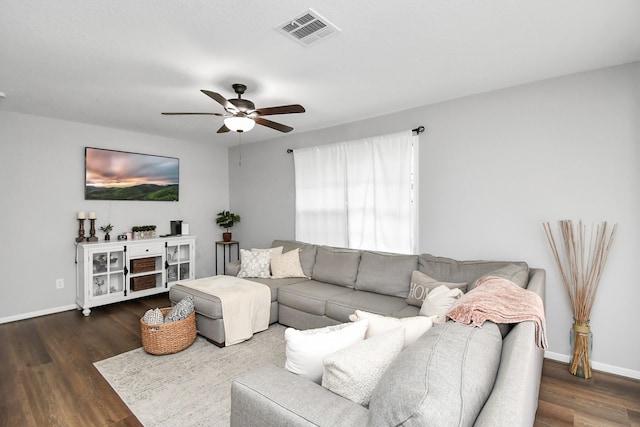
(339, 307)
(275, 284)
(425, 378)
(414, 327)
(518, 273)
(336, 266)
(406, 311)
(306, 349)
(354, 371)
(270, 396)
(384, 273)
(450, 270)
(310, 296)
(307, 253)
(421, 284)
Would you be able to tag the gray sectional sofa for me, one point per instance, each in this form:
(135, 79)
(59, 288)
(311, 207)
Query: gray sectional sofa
(453, 375)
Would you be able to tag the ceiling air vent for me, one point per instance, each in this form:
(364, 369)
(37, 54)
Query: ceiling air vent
(307, 28)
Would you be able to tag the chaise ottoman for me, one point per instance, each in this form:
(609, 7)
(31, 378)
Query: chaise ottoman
(209, 309)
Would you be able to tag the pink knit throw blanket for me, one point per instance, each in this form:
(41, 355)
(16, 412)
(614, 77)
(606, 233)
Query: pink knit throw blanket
(501, 301)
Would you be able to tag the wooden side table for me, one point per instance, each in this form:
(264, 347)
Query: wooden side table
(226, 245)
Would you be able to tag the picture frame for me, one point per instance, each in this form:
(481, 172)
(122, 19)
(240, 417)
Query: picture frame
(123, 175)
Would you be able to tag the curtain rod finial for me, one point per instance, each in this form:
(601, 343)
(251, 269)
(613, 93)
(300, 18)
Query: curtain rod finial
(289, 150)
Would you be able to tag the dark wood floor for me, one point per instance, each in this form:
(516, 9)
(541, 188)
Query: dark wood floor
(47, 376)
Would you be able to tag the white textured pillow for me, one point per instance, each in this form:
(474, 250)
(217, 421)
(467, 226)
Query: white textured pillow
(153, 317)
(354, 372)
(272, 251)
(255, 263)
(286, 265)
(306, 349)
(414, 326)
(438, 302)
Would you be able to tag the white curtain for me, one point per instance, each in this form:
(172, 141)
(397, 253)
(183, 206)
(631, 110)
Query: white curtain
(321, 195)
(359, 194)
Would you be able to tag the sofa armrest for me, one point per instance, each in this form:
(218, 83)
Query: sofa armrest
(232, 268)
(514, 398)
(271, 396)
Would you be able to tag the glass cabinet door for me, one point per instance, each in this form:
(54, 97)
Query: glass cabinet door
(178, 261)
(107, 273)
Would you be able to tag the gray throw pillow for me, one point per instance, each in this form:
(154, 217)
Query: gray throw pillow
(336, 266)
(181, 310)
(422, 284)
(386, 274)
(443, 379)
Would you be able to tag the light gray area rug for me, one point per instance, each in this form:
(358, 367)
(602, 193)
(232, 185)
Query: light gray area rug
(192, 387)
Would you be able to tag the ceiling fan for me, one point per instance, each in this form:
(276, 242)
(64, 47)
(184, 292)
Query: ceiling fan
(241, 115)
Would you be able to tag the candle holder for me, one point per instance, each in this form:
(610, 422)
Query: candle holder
(80, 237)
(92, 232)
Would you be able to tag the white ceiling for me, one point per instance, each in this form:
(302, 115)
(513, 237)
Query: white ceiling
(119, 63)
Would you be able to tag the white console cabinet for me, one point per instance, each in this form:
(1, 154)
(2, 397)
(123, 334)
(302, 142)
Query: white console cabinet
(109, 272)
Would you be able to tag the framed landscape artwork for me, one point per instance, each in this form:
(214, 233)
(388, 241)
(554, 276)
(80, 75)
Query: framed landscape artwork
(120, 175)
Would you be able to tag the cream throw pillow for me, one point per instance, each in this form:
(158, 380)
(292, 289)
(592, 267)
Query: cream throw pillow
(438, 302)
(286, 265)
(354, 372)
(414, 326)
(306, 349)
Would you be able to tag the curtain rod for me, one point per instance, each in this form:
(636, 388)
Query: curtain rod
(417, 131)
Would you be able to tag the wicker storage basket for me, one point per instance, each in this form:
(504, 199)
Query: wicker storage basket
(168, 338)
(142, 265)
(143, 282)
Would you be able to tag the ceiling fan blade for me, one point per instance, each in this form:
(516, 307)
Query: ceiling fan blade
(220, 100)
(283, 109)
(273, 125)
(204, 114)
(223, 129)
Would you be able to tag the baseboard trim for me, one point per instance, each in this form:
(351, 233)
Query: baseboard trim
(37, 313)
(616, 370)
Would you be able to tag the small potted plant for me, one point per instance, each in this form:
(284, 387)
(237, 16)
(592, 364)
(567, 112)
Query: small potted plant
(226, 220)
(144, 231)
(107, 229)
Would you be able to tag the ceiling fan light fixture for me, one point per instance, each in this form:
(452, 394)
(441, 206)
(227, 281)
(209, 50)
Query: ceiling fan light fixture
(239, 124)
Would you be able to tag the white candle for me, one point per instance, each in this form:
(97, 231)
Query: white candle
(81, 215)
(92, 215)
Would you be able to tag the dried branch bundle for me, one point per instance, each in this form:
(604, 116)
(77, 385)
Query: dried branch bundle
(581, 261)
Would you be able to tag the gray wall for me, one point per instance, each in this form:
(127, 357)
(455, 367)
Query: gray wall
(493, 168)
(42, 172)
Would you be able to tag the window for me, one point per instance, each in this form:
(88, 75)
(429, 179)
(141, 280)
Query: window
(359, 194)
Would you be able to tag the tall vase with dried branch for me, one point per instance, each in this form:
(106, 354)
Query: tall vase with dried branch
(581, 259)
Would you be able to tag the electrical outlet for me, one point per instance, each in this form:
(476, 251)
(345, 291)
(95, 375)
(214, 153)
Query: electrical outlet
(59, 283)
